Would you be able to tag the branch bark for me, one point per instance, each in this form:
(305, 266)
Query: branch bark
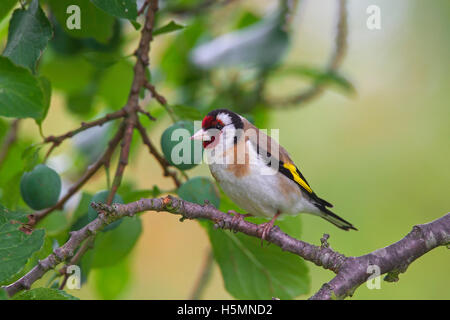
(350, 271)
(392, 260)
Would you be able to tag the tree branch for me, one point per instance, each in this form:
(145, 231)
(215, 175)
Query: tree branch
(88, 244)
(61, 254)
(351, 271)
(393, 259)
(321, 256)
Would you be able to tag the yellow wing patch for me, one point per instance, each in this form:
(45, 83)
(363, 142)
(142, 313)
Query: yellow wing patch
(296, 176)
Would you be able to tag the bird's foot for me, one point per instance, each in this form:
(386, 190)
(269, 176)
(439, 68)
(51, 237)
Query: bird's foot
(265, 228)
(237, 218)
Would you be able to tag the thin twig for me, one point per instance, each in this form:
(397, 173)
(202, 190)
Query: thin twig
(142, 9)
(152, 118)
(57, 140)
(104, 159)
(161, 160)
(335, 60)
(162, 101)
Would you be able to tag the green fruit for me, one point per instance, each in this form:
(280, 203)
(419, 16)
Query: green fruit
(174, 144)
(199, 189)
(40, 187)
(102, 197)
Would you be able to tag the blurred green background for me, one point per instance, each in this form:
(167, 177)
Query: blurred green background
(381, 155)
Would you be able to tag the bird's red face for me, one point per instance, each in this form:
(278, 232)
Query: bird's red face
(218, 125)
(210, 123)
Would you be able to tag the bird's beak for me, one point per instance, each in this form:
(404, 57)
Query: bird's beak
(201, 135)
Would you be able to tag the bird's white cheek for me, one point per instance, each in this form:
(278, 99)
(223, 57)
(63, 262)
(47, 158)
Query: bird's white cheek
(215, 141)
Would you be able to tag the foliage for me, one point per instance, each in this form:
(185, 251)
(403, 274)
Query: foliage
(16, 246)
(92, 69)
(44, 294)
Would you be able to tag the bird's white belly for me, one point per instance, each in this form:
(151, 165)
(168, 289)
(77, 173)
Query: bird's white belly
(257, 194)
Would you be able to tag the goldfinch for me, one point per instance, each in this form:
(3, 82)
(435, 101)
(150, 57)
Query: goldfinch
(257, 173)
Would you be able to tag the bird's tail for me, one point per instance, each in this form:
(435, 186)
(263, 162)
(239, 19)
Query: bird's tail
(334, 218)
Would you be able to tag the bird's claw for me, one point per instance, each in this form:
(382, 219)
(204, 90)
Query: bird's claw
(236, 219)
(264, 230)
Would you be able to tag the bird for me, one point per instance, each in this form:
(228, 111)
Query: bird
(257, 173)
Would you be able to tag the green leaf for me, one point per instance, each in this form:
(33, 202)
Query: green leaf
(95, 23)
(110, 282)
(112, 246)
(175, 59)
(102, 59)
(246, 19)
(16, 247)
(170, 27)
(254, 272)
(126, 9)
(199, 189)
(4, 128)
(68, 74)
(114, 95)
(29, 33)
(5, 7)
(46, 88)
(11, 172)
(10, 190)
(130, 193)
(30, 156)
(187, 113)
(3, 294)
(44, 294)
(21, 95)
(55, 224)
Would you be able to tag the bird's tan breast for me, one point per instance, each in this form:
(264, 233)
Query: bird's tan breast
(238, 160)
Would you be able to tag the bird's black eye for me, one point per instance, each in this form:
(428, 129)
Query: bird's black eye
(219, 126)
